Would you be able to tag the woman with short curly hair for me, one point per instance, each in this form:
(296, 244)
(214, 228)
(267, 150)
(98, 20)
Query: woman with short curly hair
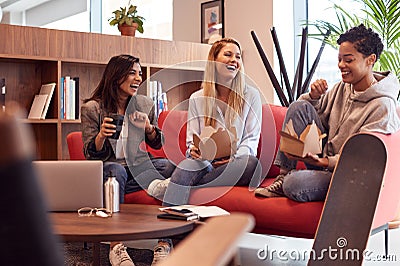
(362, 101)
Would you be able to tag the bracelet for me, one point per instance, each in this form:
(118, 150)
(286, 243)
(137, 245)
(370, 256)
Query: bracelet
(153, 128)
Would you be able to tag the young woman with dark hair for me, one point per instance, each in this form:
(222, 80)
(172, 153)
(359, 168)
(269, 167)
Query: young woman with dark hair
(133, 168)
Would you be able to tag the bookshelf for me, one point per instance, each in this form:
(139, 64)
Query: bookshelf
(33, 56)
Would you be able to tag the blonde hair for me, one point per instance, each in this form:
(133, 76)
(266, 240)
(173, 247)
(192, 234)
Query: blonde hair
(236, 97)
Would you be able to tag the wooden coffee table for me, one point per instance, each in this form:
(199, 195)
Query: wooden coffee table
(133, 222)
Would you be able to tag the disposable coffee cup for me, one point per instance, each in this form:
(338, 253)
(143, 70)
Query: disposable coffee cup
(118, 120)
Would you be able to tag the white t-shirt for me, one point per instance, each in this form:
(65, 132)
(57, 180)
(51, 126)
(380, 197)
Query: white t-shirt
(119, 148)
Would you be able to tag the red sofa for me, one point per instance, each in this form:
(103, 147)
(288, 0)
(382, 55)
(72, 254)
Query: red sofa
(279, 216)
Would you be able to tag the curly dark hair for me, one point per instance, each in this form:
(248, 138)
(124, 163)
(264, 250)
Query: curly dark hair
(366, 41)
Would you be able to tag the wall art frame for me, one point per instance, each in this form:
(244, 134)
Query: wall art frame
(212, 21)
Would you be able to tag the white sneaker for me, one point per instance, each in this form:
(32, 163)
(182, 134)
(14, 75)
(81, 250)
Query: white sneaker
(161, 251)
(119, 257)
(157, 188)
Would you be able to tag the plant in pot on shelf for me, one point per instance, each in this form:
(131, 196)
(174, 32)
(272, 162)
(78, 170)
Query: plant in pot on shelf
(127, 20)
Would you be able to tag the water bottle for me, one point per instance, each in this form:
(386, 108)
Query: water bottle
(111, 194)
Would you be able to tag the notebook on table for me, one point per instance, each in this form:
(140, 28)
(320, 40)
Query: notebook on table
(70, 185)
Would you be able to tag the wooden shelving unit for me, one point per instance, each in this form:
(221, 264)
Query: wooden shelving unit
(30, 57)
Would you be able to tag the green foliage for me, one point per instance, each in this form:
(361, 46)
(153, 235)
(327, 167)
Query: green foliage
(383, 16)
(128, 16)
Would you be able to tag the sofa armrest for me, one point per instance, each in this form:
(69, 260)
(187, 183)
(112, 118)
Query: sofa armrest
(388, 206)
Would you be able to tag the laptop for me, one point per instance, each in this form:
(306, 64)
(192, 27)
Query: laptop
(70, 185)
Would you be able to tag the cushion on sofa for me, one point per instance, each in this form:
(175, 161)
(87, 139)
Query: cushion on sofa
(278, 216)
(173, 125)
(141, 197)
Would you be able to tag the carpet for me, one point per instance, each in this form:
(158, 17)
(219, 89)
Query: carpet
(75, 254)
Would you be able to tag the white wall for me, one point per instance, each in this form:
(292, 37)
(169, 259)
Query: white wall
(186, 20)
(47, 12)
(240, 18)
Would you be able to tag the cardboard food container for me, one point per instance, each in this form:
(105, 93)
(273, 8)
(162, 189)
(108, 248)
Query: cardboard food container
(216, 143)
(310, 140)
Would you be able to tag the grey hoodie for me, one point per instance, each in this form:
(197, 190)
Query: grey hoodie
(344, 113)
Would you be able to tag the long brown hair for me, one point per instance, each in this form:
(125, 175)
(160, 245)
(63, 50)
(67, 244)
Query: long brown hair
(236, 97)
(115, 73)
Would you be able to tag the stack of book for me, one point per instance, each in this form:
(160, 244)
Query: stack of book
(181, 214)
(3, 93)
(190, 212)
(69, 97)
(159, 97)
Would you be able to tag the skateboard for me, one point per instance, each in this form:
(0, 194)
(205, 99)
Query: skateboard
(345, 224)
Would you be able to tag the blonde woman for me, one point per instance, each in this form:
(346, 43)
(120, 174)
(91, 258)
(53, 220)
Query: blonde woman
(224, 101)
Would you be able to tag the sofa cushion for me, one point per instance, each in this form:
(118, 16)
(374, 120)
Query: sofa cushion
(272, 121)
(140, 197)
(278, 216)
(173, 125)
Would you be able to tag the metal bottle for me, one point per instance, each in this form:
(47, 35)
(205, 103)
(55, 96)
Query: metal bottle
(111, 194)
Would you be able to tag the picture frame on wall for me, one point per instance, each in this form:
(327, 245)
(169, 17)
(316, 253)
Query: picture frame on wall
(212, 21)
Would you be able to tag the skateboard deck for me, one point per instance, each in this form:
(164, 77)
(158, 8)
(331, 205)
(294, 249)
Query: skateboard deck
(345, 224)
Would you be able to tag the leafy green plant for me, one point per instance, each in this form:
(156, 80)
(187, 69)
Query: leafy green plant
(127, 16)
(383, 16)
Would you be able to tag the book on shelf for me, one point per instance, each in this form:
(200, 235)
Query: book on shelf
(158, 96)
(37, 106)
(47, 89)
(3, 93)
(191, 212)
(67, 92)
(77, 101)
(62, 97)
(41, 102)
(69, 96)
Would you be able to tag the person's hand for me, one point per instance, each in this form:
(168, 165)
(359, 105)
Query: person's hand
(218, 163)
(318, 88)
(310, 158)
(140, 120)
(107, 128)
(194, 152)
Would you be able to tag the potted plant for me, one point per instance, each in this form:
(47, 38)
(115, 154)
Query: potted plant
(381, 15)
(127, 20)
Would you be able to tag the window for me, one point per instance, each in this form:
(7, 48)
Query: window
(327, 67)
(288, 28)
(78, 22)
(157, 14)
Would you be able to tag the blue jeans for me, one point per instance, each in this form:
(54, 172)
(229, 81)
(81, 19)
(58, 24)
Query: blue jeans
(303, 185)
(138, 177)
(240, 171)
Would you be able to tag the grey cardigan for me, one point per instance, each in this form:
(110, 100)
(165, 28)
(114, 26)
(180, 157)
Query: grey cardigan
(92, 115)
